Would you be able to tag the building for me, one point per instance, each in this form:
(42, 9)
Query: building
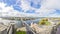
(3, 29)
(7, 26)
(18, 24)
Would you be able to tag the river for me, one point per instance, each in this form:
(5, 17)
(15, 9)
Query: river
(18, 24)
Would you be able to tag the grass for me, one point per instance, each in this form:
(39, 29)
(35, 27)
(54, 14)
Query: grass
(20, 32)
(44, 22)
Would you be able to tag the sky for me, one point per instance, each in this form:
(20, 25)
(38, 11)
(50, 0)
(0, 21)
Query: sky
(30, 8)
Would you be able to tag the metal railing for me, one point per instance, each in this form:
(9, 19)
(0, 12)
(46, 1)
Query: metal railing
(28, 28)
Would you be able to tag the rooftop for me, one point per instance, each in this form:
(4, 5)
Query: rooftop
(2, 27)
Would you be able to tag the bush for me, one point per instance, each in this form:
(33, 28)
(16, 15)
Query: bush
(20, 32)
(44, 22)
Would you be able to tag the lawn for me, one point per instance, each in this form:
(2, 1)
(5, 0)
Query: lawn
(20, 32)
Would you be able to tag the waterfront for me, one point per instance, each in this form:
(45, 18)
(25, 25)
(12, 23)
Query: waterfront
(30, 25)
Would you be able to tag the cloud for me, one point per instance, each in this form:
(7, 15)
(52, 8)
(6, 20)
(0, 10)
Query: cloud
(8, 11)
(48, 9)
(51, 4)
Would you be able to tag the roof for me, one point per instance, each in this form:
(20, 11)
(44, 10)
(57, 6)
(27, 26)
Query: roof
(2, 27)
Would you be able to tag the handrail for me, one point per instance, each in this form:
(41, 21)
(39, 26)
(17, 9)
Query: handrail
(28, 26)
(8, 30)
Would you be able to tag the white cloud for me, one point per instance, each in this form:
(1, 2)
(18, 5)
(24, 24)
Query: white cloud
(54, 15)
(25, 4)
(51, 4)
(48, 8)
(9, 11)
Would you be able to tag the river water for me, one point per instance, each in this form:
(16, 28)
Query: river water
(19, 23)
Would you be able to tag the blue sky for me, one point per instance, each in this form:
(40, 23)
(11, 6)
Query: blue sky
(17, 7)
(44, 8)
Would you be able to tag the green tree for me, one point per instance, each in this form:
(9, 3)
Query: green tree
(44, 22)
